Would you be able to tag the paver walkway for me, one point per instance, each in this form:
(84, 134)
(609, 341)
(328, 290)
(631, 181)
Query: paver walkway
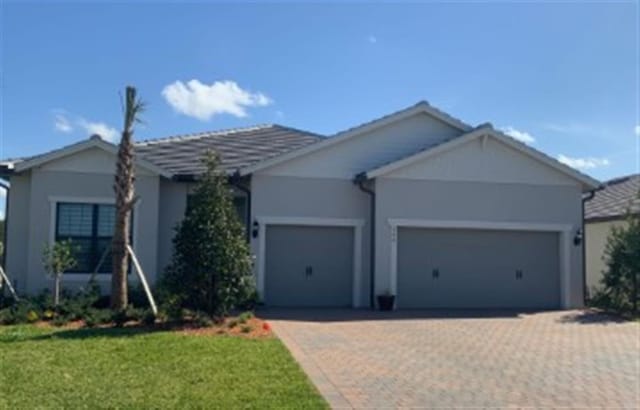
(363, 359)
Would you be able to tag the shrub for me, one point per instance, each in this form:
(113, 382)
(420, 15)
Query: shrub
(621, 279)
(232, 323)
(202, 319)
(148, 317)
(119, 317)
(211, 263)
(246, 329)
(134, 313)
(32, 316)
(244, 317)
(56, 260)
(60, 320)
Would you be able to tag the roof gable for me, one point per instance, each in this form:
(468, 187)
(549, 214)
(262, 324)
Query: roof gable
(502, 162)
(92, 143)
(420, 108)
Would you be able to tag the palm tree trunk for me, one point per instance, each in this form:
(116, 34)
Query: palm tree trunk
(125, 200)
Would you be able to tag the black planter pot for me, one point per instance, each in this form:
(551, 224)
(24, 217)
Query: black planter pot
(385, 302)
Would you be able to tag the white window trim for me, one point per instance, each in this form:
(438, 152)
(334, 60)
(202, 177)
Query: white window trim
(564, 231)
(53, 203)
(356, 224)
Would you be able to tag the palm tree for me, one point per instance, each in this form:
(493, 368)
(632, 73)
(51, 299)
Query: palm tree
(125, 200)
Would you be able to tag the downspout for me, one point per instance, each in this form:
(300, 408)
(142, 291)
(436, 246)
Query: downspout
(585, 289)
(235, 180)
(360, 180)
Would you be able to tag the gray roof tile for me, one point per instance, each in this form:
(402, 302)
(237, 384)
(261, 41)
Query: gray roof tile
(237, 148)
(615, 199)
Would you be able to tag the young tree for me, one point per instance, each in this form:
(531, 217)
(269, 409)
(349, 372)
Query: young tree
(211, 265)
(57, 259)
(125, 200)
(621, 279)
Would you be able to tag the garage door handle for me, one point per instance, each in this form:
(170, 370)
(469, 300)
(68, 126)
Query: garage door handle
(519, 274)
(435, 273)
(308, 271)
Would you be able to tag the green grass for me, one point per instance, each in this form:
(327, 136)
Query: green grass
(129, 368)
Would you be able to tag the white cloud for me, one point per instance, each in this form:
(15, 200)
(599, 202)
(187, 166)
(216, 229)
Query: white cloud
(62, 123)
(519, 135)
(203, 101)
(372, 39)
(584, 163)
(106, 132)
(637, 130)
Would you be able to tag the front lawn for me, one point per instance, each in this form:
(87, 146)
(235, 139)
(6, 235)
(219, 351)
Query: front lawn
(125, 368)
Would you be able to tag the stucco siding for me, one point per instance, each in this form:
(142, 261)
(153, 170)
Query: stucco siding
(475, 201)
(364, 152)
(596, 235)
(173, 203)
(17, 246)
(47, 187)
(293, 197)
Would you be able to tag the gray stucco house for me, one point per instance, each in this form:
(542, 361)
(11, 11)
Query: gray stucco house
(417, 204)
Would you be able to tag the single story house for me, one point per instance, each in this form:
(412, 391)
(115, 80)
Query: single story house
(609, 207)
(417, 204)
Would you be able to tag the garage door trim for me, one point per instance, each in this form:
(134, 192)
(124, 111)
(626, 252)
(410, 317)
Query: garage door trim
(562, 229)
(356, 224)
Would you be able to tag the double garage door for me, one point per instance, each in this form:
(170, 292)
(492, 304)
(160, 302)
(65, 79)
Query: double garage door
(457, 268)
(312, 266)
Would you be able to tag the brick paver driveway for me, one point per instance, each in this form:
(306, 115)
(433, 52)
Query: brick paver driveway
(465, 359)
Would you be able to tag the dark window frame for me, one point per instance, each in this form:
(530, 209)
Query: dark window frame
(94, 238)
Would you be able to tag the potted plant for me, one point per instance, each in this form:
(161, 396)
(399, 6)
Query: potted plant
(386, 301)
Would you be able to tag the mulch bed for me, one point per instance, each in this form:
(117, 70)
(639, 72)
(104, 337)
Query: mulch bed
(253, 328)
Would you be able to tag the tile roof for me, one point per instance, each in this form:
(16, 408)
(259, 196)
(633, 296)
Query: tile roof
(615, 199)
(237, 147)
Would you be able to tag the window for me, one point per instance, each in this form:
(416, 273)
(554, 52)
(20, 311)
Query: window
(90, 228)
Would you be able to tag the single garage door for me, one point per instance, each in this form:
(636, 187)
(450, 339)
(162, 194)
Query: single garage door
(454, 268)
(309, 266)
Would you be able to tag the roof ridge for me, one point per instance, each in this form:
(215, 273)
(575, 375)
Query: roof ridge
(313, 134)
(621, 179)
(203, 134)
(421, 103)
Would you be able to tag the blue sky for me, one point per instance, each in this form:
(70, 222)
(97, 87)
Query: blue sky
(562, 76)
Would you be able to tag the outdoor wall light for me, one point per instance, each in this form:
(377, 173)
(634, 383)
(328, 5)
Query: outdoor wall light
(254, 228)
(577, 239)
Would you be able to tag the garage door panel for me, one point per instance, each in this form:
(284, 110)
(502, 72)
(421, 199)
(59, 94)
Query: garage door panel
(477, 269)
(309, 266)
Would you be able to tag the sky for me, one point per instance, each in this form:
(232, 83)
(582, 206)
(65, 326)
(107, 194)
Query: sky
(560, 76)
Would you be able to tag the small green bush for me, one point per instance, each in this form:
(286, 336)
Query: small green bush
(60, 320)
(246, 329)
(119, 317)
(244, 317)
(32, 316)
(232, 323)
(148, 317)
(201, 319)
